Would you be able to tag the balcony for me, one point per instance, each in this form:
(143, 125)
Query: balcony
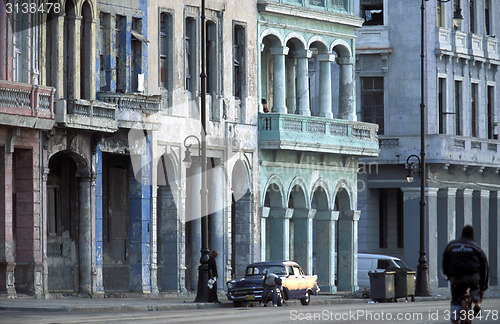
(132, 108)
(441, 149)
(26, 105)
(491, 46)
(87, 114)
(373, 40)
(317, 134)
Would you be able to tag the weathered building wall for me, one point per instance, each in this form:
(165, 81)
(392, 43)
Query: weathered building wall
(461, 133)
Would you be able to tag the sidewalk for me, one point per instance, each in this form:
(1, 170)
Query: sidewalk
(139, 303)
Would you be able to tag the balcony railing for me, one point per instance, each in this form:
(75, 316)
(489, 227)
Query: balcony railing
(87, 114)
(132, 101)
(34, 103)
(310, 133)
(441, 149)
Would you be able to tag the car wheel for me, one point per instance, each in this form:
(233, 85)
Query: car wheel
(280, 299)
(237, 304)
(305, 301)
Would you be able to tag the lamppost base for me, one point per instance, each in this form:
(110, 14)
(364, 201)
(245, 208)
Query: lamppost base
(203, 293)
(422, 285)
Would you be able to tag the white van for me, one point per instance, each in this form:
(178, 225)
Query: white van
(375, 262)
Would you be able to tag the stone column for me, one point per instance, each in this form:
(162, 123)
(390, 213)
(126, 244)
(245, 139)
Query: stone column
(291, 93)
(464, 209)
(216, 201)
(279, 78)
(348, 250)
(432, 235)
(73, 75)
(85, 235)
(346, 103)
(494, 257)
(139, 256)
(58, 60)
(94, 31)
(411, 211)
(264, 220)
(325, 254)
(98, 281)
(303, 57)
(325, 84)
(446, 224)
(7, 262)
(193, 211)
(480, 218)
(279, 238)
(303, 240)
(43, 231)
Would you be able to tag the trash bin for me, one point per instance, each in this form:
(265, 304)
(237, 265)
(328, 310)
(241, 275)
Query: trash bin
(404, 283)
(382, 285)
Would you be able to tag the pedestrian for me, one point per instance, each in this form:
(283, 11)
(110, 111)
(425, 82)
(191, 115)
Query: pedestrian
(212, 273)
(265, 107)
(466, 266)
(271, 281)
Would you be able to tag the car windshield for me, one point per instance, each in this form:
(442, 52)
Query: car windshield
(401, 264)
(259, 270)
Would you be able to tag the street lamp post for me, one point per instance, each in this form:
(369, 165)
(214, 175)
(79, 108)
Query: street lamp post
(422, 284)
(202, 294)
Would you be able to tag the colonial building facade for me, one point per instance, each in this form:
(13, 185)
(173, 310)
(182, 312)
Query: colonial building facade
(98, 100)
(310, 143)
(461, 91)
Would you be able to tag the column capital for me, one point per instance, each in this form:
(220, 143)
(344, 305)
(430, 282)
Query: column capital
(431, 191)
(280, 212)
(411, 191)
(350, 215)
(465, 192)
(279, 50)
(345, 61)
(302, 54)
(45, 174)
(327, 215)
(326, 57)
(304, 213)
(482, 193)
(447, 192)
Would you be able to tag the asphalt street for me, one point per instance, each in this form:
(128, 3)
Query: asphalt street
(431, 311)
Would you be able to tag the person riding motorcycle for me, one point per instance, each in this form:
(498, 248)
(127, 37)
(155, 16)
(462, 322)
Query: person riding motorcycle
(466, 266)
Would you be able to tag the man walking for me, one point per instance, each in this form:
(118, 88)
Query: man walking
(212, 273)
(466, 266)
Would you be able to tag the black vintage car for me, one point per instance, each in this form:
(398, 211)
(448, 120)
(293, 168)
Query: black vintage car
(296, 285)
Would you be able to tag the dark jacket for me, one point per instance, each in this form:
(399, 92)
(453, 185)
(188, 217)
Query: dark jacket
(465, 257)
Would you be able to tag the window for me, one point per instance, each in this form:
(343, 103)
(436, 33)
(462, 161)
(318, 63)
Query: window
(372, 101)
(104, 78)
(238, 59)
(487, 18)
(441, 105)
(120, 53)
(137, 83)
(472, 17)
(190, 50)
(164, 48)
(473, 110)
(211, 67)
(440, 15)
(372, 12)
(491, 116)
(458, 107)
(86, 54)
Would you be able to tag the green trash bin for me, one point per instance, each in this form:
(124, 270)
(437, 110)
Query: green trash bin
(404, 283)
(382, 285)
